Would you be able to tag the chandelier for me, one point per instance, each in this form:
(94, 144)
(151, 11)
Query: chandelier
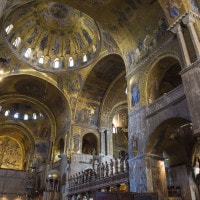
(51, 37)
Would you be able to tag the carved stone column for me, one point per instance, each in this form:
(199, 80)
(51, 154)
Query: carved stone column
(177, 29)
(189, 20)
(109, 143)
(2, 7)
(106, 142)
(148, 174)
(102, 141)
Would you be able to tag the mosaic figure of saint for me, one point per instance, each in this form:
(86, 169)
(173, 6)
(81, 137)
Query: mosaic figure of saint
(173, 8)
(135, 95)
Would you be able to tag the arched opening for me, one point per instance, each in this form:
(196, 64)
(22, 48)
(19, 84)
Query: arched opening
(120, 132)
(11, 154)
(173, 141)
(61, 146)
(163, 78)
(171, 80)
(89, 143)
(59, 150)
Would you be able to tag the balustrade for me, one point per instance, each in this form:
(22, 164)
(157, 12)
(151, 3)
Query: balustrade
(167, 99)
(106, 174)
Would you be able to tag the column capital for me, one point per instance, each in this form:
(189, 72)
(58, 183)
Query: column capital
(188, 18)
(109, 131)
(176, 28)
(102, 129)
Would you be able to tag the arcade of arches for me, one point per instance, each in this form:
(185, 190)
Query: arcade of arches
(99, 95)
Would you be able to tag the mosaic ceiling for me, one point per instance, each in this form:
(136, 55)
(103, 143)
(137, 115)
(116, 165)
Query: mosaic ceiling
(51, 36)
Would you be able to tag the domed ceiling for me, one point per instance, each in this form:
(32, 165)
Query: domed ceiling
(51, 36)
(36, 102)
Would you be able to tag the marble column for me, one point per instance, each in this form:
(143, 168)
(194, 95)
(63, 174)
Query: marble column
(102, 132)
(148, 175)
(2, 7)
(106, 142)
(177, 29)
(109, 143)
(189, 21)
(191, 71)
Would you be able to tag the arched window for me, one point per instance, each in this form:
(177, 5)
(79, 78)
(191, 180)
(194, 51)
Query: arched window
(16, 115)
(9, 28)
(27, 53)
(41, 60)
(25, 116)
(41, 115)
(71, 62)
(85, 58)
(17, 42)
(89, 143)
(34, 116)
(94, 49)
(7, 113)
(56, 63)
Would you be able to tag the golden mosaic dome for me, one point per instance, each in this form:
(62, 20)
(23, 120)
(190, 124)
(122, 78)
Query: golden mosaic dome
(52, 37)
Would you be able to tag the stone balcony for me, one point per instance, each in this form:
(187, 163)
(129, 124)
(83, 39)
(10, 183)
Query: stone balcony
(165, 101)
